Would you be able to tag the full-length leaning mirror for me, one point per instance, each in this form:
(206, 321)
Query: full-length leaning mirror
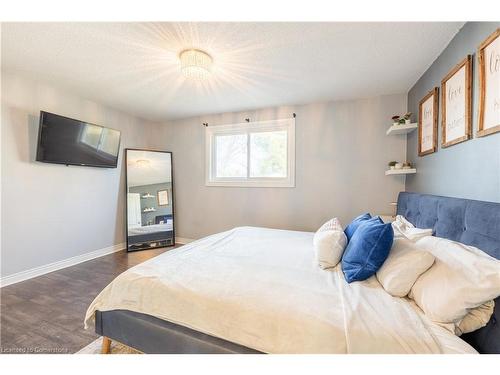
(150, 201)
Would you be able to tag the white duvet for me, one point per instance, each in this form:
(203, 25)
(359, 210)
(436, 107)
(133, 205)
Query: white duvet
(148, 229)
(262, 288)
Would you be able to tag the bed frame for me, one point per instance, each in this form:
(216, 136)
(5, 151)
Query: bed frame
(153, 335)
(471, 222)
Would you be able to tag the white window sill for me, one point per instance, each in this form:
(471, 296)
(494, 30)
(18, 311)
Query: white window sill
(264, 184)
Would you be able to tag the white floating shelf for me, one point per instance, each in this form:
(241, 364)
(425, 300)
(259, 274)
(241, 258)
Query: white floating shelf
(401, 129)
(400, 171)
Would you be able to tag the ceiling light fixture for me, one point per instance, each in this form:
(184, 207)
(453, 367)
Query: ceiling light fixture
(143, 163)
(195, 64)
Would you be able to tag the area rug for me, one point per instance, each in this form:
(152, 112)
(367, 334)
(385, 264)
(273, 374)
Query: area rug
(116, 348)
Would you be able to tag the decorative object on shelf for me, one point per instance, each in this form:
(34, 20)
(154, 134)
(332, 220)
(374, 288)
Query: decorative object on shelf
(456, 104)
(407, 117)
(401, 120)
(162, 198)
(396, 165)
(428, 123)
(395, 120)
(489, 85)
(147, 195)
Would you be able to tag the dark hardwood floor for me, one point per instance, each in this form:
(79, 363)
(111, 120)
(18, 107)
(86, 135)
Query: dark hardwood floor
(45, 314)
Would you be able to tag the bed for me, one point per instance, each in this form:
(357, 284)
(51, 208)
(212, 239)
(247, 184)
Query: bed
(252, 290)
(162, 230)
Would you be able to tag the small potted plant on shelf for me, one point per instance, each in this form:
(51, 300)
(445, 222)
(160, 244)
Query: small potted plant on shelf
(395, 120)
(406, 118)
(392, 164)
(407, 165)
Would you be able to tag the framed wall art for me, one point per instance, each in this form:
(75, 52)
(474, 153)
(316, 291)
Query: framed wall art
(489, 85)
(456, 104)
(162, 198)
(428, 123)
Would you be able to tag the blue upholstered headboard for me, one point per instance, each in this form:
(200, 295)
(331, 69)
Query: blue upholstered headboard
(163, 218)
(467, 221)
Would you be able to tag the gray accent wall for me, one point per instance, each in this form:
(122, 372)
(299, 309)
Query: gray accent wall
(52, 212)
(153, 202)
(470, 169)
(341, 155)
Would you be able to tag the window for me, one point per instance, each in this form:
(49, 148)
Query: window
(101, 139)
(260, 154)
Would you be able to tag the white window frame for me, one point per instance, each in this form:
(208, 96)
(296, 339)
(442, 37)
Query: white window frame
(211, 132)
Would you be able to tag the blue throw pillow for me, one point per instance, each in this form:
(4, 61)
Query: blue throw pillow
(353, 225)
(368, 249)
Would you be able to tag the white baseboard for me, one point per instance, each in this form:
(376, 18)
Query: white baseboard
(183, 241)
(42, 270)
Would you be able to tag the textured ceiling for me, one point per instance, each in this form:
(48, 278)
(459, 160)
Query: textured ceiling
(134, 66)
(156, 171)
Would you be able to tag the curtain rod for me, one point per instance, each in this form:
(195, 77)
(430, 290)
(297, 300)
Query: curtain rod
(248, 119)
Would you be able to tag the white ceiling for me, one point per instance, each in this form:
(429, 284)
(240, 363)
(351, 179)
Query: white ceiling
(135, 67)
(153, 168)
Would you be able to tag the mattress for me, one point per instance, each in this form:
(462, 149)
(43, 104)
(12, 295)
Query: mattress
(261, 288)
(148, 229)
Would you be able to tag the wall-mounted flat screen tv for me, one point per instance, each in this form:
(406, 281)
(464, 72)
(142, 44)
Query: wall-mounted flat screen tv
(63, 140)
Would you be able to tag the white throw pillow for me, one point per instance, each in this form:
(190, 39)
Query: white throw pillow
(461, 279)
(329, 243)
(405, 263)
(476, 318)
(403, 228)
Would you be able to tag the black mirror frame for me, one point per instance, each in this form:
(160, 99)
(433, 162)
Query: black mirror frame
(126, 196)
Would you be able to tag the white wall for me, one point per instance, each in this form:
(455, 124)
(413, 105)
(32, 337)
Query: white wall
(53, 212)
(341, 155)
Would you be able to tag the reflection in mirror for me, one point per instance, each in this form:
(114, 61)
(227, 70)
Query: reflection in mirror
(150, 215)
